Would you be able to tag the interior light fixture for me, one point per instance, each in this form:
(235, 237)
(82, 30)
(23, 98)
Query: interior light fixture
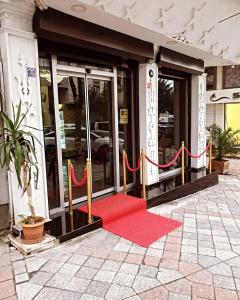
(79, 8)
(171, 42)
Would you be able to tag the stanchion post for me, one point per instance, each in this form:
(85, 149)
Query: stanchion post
(124, 173)
(70, 194)
(89, 191)
(143, 174)
(183, 163)
(210, 157)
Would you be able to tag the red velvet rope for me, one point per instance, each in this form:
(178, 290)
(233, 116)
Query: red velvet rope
(132, 169)
(197, 155)
(167, 165)
(74, 179)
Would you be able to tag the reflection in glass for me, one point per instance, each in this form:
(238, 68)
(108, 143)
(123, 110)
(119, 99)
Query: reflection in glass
(73, 134)
(101, 133)
(168, 121)
(49, 133)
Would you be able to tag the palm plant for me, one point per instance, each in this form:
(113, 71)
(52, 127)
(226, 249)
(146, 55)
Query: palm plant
(17, 152)
(225, 141)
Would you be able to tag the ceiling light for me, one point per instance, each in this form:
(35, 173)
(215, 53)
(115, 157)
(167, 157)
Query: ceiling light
(171, 42)
(78, 8)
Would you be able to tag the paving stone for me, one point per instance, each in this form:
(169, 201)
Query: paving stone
(225, 255)
(122, 247)
(5, 260)
(105, 275)
(207, 261)
(151, 261)
(20, 270)
(134, 258)
(118, 292)
(181, 286)
(90, 297)
(167, 275)
(174, 296)
(77, 285)
(17, 264)
(52, 267)
(94, 262)
(111, 265)
(188, 268)
(169, 264)
(86, 273)
(129, 268)
(224, 294)
(68, 295)
(7, 289)
(206, 251)
(223, 282)
(201, 291)
(69, 269)
(143, 283)
(158, 245)
(234, 262)
(97, 288)
(236, 272)
(137, 250)
(6, 273)
(221, 269)
(62, 257)
(117, 255)
(78, 259)
(124, 279)
(148, 271)
(154, 252)
(59, 281)
(21, 278)
(202, 277)
(41, 278)
(48, 293)
(156, 293)
(27, 291)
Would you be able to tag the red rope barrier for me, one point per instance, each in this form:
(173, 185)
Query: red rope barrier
(74, 179)
(197, 155)
(132, 169)
(167, 165)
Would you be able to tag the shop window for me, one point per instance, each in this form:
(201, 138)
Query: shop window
(231, 77)
(211, 78)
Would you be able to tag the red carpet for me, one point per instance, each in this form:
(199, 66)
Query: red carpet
(127, 216)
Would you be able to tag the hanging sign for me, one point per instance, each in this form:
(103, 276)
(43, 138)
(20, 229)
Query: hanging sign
(123, 116)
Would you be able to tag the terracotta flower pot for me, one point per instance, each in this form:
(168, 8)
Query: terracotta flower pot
(222, 166)
(33, 233)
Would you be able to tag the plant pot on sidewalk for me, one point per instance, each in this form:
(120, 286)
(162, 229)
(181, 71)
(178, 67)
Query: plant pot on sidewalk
(33, 233)
(221, 166)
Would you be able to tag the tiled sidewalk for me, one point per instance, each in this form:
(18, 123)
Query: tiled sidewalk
(200, 260)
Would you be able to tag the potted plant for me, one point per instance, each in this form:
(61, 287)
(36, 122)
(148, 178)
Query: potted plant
(17, 153)
(225, 141)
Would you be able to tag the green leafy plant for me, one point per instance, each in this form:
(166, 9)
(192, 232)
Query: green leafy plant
(17, 151)
(225, 141)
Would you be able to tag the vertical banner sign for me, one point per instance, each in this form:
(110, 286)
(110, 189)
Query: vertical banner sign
(148, 79)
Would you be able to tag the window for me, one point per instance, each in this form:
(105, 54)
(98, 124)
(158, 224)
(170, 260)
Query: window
(231, 77)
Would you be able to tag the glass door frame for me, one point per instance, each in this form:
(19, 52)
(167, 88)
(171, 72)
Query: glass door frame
(95, 74)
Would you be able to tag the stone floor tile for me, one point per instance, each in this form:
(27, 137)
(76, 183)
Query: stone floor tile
(27, 291)
(48, 293)
(207, 261)
(167, 275)
(134, 259)
(189, 257)
(174, 240)
(171, 254)
(124, 279)
(172, 247)
(59, 281)
(117, 255)
(18, 264)
(224, 294)
(152, 261)
(118, 292)
(94, 262)
(143, 283)
(97, 288)
(158, 245)
(223, 246)
(200, 291)
(41, 278)
(105, 276)
(181, 286)
(154, 294)
(236, 272)
(7, 289)
(19, 270)
(233, 262)
(52, 267)
(201, 277)
(86, 273)
(90, 297)
(225, 255)
(6, 273)
(62, 257)
(224, 282)
(174, 296)
(69, 269)
(221, 269)
(5, 260)
(21, 277)
(148, 271)
(137, 250)
(16, 256)
(205, 238)
(69, 295)
(34, 264)
(78, 259)
(154, 252)
(129, 268)
(122, 247)
(189, 242)
(111, 265)
(77, 285)
(206, 251)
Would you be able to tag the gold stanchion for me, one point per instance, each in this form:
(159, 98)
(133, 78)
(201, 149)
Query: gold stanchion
(70, 194)
(183, 163)
(210, 157)
(124, 173)
(143, 174)
(89, 191)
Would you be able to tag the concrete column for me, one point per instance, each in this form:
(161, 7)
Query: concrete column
(148, 117)
(19, 53)
(198, 117)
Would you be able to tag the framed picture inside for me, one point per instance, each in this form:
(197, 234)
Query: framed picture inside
(231, 77)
